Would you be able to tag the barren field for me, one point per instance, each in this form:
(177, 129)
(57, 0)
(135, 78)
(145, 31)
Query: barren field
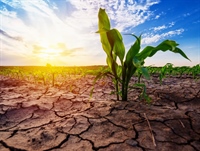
(64, 117)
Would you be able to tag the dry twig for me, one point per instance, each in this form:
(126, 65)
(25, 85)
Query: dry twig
(152, 136)
(182, 123)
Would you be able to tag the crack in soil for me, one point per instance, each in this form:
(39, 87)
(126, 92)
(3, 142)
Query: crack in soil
(60, 144)
(10, 147)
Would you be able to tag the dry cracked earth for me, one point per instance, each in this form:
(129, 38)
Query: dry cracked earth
(64, 117)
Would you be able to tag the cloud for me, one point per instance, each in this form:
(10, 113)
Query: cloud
(37, 49)
(171, 24)
(151, 38)
(162, 27)
(157, 16)
(124, 14)
(70, 52)
(9, 36)
(56, 49)
(40, 21)
(159, 28)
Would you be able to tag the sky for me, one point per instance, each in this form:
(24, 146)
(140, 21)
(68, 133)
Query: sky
(62, 32)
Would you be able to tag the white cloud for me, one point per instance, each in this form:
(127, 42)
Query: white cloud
(123, 14)
(171, 24)
(162, 27)
(43, 24)
(5, 12)
(13, 3)
(157, 16)
(159, 28)
(151, 38)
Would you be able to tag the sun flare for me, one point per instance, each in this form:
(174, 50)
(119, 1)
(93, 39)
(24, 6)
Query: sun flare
(54, 52)
(50, 55)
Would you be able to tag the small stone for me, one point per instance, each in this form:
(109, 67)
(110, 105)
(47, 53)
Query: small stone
(131, 142)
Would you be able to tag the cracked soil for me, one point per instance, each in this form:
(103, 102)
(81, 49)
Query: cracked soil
(40, 117)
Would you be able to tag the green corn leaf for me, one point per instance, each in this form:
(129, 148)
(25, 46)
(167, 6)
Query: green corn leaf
(145, 72)
(143, 95)
(146, 52)
(170, 45)
(130, 70)
(104, 22)
(112, 65)
(109, 62)
(104, 26)
(105, 43)
(137, 63)
(119, 71)
(178, 50)
(114, 69)
(167, 45)
(102, 73)
(135, 48)
(116, 43)
(100, 31)
(110, 59)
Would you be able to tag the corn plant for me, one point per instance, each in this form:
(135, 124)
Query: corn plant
(167, 68)
(196, 71)
(131, 62)
(39, 76)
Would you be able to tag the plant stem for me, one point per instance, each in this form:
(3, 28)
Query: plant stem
(117, 89)
(125, 90)
(139, 77)
(123, 83)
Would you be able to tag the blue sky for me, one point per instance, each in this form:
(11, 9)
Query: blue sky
(62, 32)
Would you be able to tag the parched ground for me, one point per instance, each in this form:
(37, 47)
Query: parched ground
(64, 117)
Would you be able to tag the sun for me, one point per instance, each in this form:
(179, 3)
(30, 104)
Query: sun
(50, 55)
(51, 52)
(47, 53)
(54, 52)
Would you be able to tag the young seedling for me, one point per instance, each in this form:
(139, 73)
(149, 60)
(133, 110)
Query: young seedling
(168, 68)
(131, 62)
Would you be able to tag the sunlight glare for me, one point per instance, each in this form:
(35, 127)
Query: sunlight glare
(50, 55)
